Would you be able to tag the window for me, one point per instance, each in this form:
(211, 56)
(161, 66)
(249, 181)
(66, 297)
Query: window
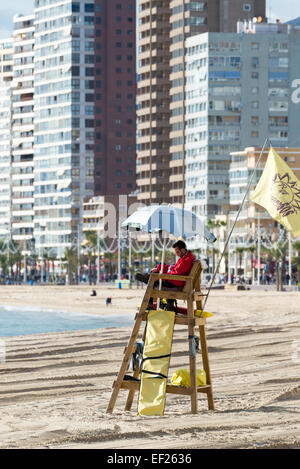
(278, 76)
(89, 84)
(88, 20)
(89, 72)
(75, 7)
(89, 110)
(254, 134)
(247, 7)
(89, 8)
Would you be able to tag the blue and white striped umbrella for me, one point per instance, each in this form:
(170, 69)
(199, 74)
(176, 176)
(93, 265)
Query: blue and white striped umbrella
(170, 219)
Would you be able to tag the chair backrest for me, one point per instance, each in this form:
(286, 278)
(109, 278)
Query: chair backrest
(195, 272)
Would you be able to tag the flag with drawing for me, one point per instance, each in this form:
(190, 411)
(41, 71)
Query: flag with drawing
(278, 191)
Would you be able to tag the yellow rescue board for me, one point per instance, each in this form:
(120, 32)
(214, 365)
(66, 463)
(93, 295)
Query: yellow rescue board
(156, 360)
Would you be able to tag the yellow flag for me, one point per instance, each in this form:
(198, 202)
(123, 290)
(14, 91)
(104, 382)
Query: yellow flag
(278, 191)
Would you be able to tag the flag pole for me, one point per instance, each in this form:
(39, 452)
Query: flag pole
(236, 218)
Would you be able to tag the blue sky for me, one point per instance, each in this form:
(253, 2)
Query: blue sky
(286, 10)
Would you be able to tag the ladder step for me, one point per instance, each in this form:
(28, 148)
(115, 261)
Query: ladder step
(181, 320)
(171, 389)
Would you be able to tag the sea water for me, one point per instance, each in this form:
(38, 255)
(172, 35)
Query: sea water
(23, 320)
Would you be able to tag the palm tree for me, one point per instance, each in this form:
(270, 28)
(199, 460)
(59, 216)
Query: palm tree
(47, 252)
(3, 258)
(212, 224)
(110, 266)
(52, 259)
(92, 241)
(71, 259)
(278, 251)
(251, 249)
(296, 259)
(240, 251)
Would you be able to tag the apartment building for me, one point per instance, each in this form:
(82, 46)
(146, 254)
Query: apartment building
(6, 76)
(5, 160)
(22, 163)
(153, 111)
(189, 18)
(163, 30)
(85, 116)
(238, 94)
(114, 96)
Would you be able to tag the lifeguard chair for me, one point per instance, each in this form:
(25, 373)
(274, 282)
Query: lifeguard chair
(192, 294)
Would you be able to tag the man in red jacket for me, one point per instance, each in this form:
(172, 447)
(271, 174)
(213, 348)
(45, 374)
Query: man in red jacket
(182, 267)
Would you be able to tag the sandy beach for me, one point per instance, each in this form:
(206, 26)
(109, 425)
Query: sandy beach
(55, 387)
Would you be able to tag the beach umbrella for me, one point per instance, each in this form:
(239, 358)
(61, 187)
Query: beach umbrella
(168, 219)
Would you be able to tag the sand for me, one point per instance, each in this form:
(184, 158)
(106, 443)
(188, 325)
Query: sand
(55, 387)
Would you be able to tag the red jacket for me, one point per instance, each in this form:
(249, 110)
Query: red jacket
(182, 267)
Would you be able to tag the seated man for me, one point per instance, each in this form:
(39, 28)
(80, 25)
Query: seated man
(182, 267)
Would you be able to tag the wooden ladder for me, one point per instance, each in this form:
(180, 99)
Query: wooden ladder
(191, 292)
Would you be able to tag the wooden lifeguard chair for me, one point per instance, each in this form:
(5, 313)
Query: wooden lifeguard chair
(191, 292)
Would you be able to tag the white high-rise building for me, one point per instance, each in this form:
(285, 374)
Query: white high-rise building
(6, 76)
(22, 130)
(63, 170)
(238, 92)
(5, 159)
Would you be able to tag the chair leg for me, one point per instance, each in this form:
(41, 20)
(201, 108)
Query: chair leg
(136, 373)
(124, 366)
(210, 399)
(129, 349)
(192, 358)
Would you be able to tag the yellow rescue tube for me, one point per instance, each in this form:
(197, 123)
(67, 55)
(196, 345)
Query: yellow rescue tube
(182, 377)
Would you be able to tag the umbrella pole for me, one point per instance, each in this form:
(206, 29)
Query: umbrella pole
(161, 270)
